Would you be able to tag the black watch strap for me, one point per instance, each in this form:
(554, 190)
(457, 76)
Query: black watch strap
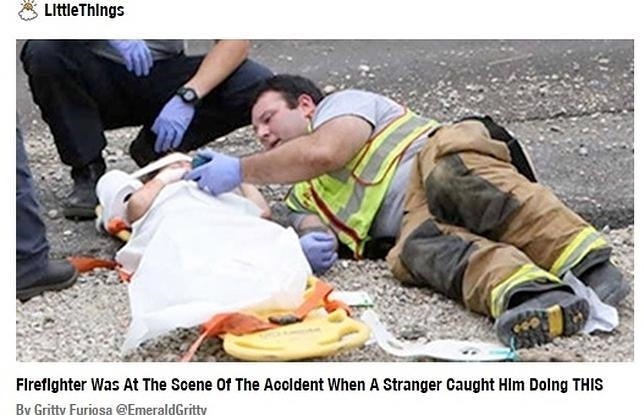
(188, 95)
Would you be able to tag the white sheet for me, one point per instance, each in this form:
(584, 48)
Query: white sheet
(193, 255)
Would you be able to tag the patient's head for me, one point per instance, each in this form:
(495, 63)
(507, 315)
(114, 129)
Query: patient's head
(170, 173)
(182, 164)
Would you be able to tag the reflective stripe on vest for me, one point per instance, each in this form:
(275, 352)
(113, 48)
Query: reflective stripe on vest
(586, 241)
(348, 199)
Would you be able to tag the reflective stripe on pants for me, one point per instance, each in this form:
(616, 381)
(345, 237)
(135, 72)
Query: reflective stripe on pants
(472, 222)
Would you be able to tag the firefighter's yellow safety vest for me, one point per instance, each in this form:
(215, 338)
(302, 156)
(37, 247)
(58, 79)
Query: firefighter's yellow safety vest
(348, 199)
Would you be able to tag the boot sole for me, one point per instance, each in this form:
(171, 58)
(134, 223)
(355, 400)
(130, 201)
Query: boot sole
(532, 327)
(28, 293)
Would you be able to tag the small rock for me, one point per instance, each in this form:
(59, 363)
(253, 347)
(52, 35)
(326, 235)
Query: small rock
(475, 88)
(364, 68)
(48, 322)
(67, 232)
(52, 214)
(561, 112)
(329, 89)
(583, 151)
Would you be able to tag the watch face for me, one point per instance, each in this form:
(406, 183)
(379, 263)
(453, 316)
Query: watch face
(187, 94)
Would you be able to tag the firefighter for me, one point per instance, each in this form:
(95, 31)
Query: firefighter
(459, 200)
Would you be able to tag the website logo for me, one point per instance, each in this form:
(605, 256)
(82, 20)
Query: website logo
(27, 12)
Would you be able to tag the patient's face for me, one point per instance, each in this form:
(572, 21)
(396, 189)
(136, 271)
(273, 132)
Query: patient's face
(178, 164)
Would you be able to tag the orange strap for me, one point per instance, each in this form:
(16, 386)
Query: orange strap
(116, 225)
(242, 323)
(321, 291)
(235, 323)
(124, 276)
(85, 263)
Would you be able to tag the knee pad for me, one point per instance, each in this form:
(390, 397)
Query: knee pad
(457, 197)
(437, 260)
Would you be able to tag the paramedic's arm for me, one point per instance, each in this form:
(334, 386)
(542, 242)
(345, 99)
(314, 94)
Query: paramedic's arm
(222, 60)
(328, 148)
(311, 223)
(253, 194)
(318, 242)
(304, 223)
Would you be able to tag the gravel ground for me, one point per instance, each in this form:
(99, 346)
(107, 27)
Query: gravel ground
(88, 321)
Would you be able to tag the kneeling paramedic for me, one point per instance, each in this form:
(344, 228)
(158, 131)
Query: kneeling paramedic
(465, 220)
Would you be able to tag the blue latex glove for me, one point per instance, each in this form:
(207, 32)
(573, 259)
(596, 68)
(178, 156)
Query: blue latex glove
(171, 124)
(319, 249)
(220, 175)
(137, 55)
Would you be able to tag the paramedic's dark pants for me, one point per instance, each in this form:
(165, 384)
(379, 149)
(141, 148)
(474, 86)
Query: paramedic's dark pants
(81, 94)
(474, 228)
(32, 248)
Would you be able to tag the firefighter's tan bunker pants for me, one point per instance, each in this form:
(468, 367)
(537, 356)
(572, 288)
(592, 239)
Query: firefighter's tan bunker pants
(474, 228)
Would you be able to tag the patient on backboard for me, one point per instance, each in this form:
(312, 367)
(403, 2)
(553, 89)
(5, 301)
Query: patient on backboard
(192, 255)
(141, 200)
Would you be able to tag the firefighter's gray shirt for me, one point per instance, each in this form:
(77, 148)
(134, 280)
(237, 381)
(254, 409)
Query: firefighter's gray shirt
(160, 49)
(378, 111)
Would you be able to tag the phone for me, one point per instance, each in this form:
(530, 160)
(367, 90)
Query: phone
(199, 160)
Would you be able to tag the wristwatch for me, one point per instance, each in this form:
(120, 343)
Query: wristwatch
(188, 95)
